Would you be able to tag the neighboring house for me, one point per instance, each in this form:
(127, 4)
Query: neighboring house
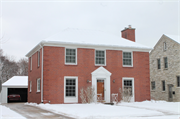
(165, 69)
(74, 59)
(14, 85)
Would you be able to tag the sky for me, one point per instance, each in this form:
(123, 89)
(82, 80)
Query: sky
(25, 23)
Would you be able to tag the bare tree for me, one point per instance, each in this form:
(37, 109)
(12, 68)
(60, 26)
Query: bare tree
(126, 94)
(23, 67)
(87, 95)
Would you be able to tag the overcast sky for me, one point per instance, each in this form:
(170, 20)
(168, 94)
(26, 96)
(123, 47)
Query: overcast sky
(24, 23)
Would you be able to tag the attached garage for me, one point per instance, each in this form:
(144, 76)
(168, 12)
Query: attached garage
(17, 85)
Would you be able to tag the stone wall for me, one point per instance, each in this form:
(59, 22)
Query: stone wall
(170, 74)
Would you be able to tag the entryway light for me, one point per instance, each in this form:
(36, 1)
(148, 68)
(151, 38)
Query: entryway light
(114, 81)
(88, 81)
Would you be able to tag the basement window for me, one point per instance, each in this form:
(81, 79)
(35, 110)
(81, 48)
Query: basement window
(153, 85)
(178, 81)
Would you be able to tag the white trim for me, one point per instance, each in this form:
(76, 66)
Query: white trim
(133, 87)
(38, 83)
(131, 59)
(30, 86)
(104, 58)
(38, 52)
(102, 73)
(71, 99)
(31, 63)
(65, 56)
(87, 46)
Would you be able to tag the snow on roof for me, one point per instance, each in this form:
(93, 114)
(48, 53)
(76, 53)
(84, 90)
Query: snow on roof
(17, 81)
(174, 37)
(93, 37)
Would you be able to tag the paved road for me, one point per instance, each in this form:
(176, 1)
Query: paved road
(31, 112)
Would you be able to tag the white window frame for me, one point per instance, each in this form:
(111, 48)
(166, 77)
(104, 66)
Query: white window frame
(38, 85)
(30, 86)
(71, 99)
(75, 58)
(38, 58)
(133, 87)
(31, 63)
(104, 57)
(131, 59)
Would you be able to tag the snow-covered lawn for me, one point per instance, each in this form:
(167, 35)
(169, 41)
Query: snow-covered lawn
(6, 113)
(136, 110)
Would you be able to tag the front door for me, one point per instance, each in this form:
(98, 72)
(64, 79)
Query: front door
(100, 87)
(170, 96)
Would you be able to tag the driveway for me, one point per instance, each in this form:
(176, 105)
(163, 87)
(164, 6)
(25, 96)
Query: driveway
(31, 112)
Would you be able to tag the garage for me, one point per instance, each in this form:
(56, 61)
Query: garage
(14, 90)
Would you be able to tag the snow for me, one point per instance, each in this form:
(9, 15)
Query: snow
(174, 37)
(6, 113)
(92, 37)
(17, 81)
(136, 110)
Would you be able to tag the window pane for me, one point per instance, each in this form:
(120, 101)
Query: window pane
(178, 81)
(163, 85)
(165, 62)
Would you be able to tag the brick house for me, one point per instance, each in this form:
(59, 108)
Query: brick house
(165, 69)
(75, 59)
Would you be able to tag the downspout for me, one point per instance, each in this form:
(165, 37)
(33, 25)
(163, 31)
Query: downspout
(42, 75)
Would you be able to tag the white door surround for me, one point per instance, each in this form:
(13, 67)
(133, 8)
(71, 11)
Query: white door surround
(132, 80)
(102, 73)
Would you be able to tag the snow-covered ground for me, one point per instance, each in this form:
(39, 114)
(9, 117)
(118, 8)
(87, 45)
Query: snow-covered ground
(6, 113)
(136, 110)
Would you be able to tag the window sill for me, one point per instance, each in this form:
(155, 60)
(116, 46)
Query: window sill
(165, 68)
(163, 91)
(70, 63)
(153, 90)
(38, 91)
(100, 65)
(127, 66)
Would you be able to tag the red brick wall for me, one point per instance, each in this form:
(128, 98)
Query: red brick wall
(55, 70)
(33, 75)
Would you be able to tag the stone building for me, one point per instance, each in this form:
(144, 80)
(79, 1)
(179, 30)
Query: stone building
(165, 69)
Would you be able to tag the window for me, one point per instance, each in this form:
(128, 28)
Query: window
(38, 58)
(163, 86)
(38, 85)
(30, 87)
(70, 56)
(164, 46)
(127, 87)
(165, 62)
(100, 57)
(159, 63)
(31, 63)
(178, 81)
(153, 85)
(127, 58)
(70, 87)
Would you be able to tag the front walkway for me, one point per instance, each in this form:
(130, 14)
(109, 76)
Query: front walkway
(31, 112)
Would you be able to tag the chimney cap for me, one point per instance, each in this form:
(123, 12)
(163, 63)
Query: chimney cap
(129, 27)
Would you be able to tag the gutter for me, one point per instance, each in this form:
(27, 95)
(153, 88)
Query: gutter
(42, 75)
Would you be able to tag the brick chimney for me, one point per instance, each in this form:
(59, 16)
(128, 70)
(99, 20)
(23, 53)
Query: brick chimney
(128, 33)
